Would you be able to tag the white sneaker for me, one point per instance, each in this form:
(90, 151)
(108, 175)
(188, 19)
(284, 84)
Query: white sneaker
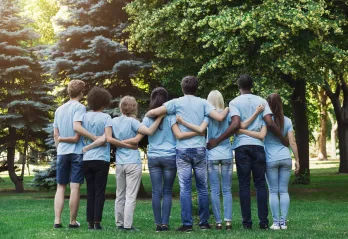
(275, 226)
(283, 226)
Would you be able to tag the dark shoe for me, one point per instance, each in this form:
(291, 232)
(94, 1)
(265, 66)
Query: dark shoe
(77, 225)
(247, 227)
(120, 227)
(184, 228)
(228, 226)
(132, 229)
(90, 225)
(97, 226)
(57, 226)
(264, 226)
(158, 228)
(218, 226)
(165, 228)
(205, 226)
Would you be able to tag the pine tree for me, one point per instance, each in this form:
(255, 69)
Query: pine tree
(25, 105)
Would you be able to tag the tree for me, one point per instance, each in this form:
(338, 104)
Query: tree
(25, 103)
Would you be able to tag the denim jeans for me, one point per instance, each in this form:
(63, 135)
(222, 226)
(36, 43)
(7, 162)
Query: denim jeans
(214, 180)
(162, 174)
(252, 159)
(278, 177)
(186, 161)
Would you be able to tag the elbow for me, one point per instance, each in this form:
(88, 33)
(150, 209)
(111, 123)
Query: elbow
(179, 137)
(108, 139)
(220, 118)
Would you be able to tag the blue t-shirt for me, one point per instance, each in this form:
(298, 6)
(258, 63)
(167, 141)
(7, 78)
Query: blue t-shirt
(123, 128)
(224, 149)
(193, 110)
(95, 123)
(64, 119)
(162, 142)
(245, 106)
(274, 149)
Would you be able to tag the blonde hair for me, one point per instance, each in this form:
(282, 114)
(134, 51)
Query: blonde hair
(75, 87)
(216, 99)
(129, 106)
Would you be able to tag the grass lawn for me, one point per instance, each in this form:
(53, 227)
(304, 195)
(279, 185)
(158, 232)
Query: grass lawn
(318, 210)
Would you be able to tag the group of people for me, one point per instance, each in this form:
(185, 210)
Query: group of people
(188, 136)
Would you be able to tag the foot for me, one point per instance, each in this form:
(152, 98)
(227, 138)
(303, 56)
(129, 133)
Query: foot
(264, 226)
(57, 225)
(247, 227)
(204, 226)
(218, 226)
(165, 228)
(158, 228)
(284, 226)
(228, 226)
(97, 226)
(185, 228)
(120, 227)
(90, 225)
(132, 229)
(275, 226)
(76, 225)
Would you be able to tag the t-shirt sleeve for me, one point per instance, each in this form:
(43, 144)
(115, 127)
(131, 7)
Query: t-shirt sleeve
(233, 109)
(289, 126)
(170, 106)
(79, 113)
(206, 119)
(172, 120)
(135, 125)
(267, 110)
(147, 122)
(55, 124)
(108, 123)
(208, 107)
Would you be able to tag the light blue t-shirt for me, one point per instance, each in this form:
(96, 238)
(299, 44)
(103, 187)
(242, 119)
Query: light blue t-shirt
(64, 119)
(224, 149)
(95, 123)
(193, 110)
(245, 106)
(123, 128)
(274, 149)
(162, 142)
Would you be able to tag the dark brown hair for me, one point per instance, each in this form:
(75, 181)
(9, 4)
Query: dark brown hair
(245, 82)
(189, 85)
(75, 87)
(98, 98)
(276, 105)
(159, 96)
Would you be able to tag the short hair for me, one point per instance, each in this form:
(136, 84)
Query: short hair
(129, 106)
(189, 85)
(245, 82)
(75, 87)
(98, 98)
(215, 98)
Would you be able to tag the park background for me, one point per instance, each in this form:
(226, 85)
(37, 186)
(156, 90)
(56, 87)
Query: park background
(298, 49)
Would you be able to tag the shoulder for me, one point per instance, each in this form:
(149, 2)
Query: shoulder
(287, 120)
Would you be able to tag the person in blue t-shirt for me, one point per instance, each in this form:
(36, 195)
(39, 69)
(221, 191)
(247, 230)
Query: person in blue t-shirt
(162, 159)
(191, 152)
(128, 161)
(249, 152)
(279, 163)
(69, 153)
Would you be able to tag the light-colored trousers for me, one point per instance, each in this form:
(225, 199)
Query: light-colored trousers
(128, 178)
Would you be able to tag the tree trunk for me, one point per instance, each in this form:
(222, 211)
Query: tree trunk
(333, 136)
(18, 181)
(342, 143)
(322, 154)
(299, 105)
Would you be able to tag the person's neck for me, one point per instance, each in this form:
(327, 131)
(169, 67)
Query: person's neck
(188, 95)
(101, 110)
(76, 99)
(245, 92)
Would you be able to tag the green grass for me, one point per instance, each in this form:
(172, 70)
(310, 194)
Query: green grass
(318, 210)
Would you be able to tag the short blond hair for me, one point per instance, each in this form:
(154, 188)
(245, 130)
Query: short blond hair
(129, 106)
(75, 87)
(216, 99)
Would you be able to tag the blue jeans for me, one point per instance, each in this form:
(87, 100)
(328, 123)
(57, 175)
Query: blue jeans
(69, 169)
(214, 179)
(162, 174)
(278, 177)
(252, 159)
(186, 161)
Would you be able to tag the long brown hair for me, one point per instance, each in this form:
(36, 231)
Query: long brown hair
(276, 105)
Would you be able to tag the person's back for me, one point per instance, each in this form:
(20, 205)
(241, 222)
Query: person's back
(95, 122)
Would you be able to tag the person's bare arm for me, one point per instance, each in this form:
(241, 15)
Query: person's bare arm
(234, 126)
(257, 135)
(115, 142)
(99, 142)
(199, 129)
(162, 110)
(294, 149)
(219, 116)
(272, 126)
(183, 135)
(247, 122)
(135, 140)
(82, 131)
(152, 129)
(56, 136)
